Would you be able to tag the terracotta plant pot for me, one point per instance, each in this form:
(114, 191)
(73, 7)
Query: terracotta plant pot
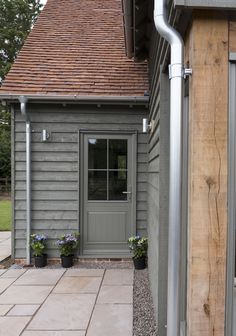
(67, 261)
(40, 261)
(139, 263)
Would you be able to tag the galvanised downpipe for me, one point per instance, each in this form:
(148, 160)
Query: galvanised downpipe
(176, 100)
(23, 101)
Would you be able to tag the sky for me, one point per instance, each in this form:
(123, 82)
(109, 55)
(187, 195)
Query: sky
(43, 2)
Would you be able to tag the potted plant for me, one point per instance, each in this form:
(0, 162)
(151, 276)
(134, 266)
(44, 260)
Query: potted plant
(138, 246)
(38, 245)
(67, 244)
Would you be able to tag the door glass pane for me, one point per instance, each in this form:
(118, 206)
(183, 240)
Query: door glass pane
(97, 185)
(117, 184)
(117, 154)
(97, 153)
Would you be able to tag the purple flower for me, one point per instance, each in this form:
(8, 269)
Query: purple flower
(38, 238)
(68, 243)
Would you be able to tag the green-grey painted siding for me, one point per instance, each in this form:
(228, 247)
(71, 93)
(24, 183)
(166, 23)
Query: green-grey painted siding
(158, 174)
(158, 186)
(55, 167)
(164, 200)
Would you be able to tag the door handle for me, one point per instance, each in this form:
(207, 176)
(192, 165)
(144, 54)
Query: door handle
(126, 192)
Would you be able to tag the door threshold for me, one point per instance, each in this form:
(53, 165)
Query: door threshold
(95, 259)
(105, 258)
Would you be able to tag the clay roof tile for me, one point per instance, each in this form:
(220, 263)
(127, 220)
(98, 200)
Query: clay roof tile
(77, 47)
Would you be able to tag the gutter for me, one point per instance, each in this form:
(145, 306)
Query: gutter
(176, 75)
(23, 101)
(80, 99)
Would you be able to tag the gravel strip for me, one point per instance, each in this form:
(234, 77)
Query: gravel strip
(97, 264)
(144, 322)
(82, 264)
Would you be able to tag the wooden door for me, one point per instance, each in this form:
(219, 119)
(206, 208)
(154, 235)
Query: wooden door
(108, 194)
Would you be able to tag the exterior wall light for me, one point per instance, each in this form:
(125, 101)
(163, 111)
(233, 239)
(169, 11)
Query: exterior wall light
(45, 135)
(147, 127)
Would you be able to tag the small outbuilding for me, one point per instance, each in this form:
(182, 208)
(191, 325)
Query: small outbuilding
(79, 158)
(87, 76)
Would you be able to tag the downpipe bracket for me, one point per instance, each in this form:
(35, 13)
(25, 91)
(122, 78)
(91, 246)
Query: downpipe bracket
(177, 71)
(187, 72)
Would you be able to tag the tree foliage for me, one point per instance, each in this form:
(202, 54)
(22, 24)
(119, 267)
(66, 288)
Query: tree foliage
(5, 143)
(16, 20)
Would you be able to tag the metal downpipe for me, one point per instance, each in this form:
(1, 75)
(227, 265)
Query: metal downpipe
(176, 101)
(23, 101)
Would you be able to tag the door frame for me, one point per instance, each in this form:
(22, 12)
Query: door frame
(81, 186)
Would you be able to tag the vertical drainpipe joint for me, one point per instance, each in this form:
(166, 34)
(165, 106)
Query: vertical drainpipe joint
(23, 100)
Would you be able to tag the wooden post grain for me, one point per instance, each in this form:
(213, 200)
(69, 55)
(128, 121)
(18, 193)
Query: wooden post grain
(208, 57)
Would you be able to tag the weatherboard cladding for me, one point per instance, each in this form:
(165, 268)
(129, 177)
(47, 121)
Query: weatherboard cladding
(55, 167)
(158, 173)
(77, 48)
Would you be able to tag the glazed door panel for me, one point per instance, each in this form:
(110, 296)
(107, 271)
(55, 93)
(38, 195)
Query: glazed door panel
(108, 187)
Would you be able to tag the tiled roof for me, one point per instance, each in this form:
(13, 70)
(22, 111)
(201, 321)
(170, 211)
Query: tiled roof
(77, 48)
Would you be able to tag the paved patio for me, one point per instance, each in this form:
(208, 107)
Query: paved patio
(5, 245)
(73, 302)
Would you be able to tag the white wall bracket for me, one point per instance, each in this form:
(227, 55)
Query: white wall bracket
(187, 72)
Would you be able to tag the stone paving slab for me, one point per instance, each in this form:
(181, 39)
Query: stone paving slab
(13, 273)
(84, 272)
(40, 277)
(53, 333)
(25, 294)
(5, 283)
(64, 312)
(5, 245)
(78, 285)
(119, 277)
(115, 294)
(4, 254)
(23, 310)
(59, 302)
(111, 319)
(5, 235)
(4, 309)
(2, 271)
(12, 326)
